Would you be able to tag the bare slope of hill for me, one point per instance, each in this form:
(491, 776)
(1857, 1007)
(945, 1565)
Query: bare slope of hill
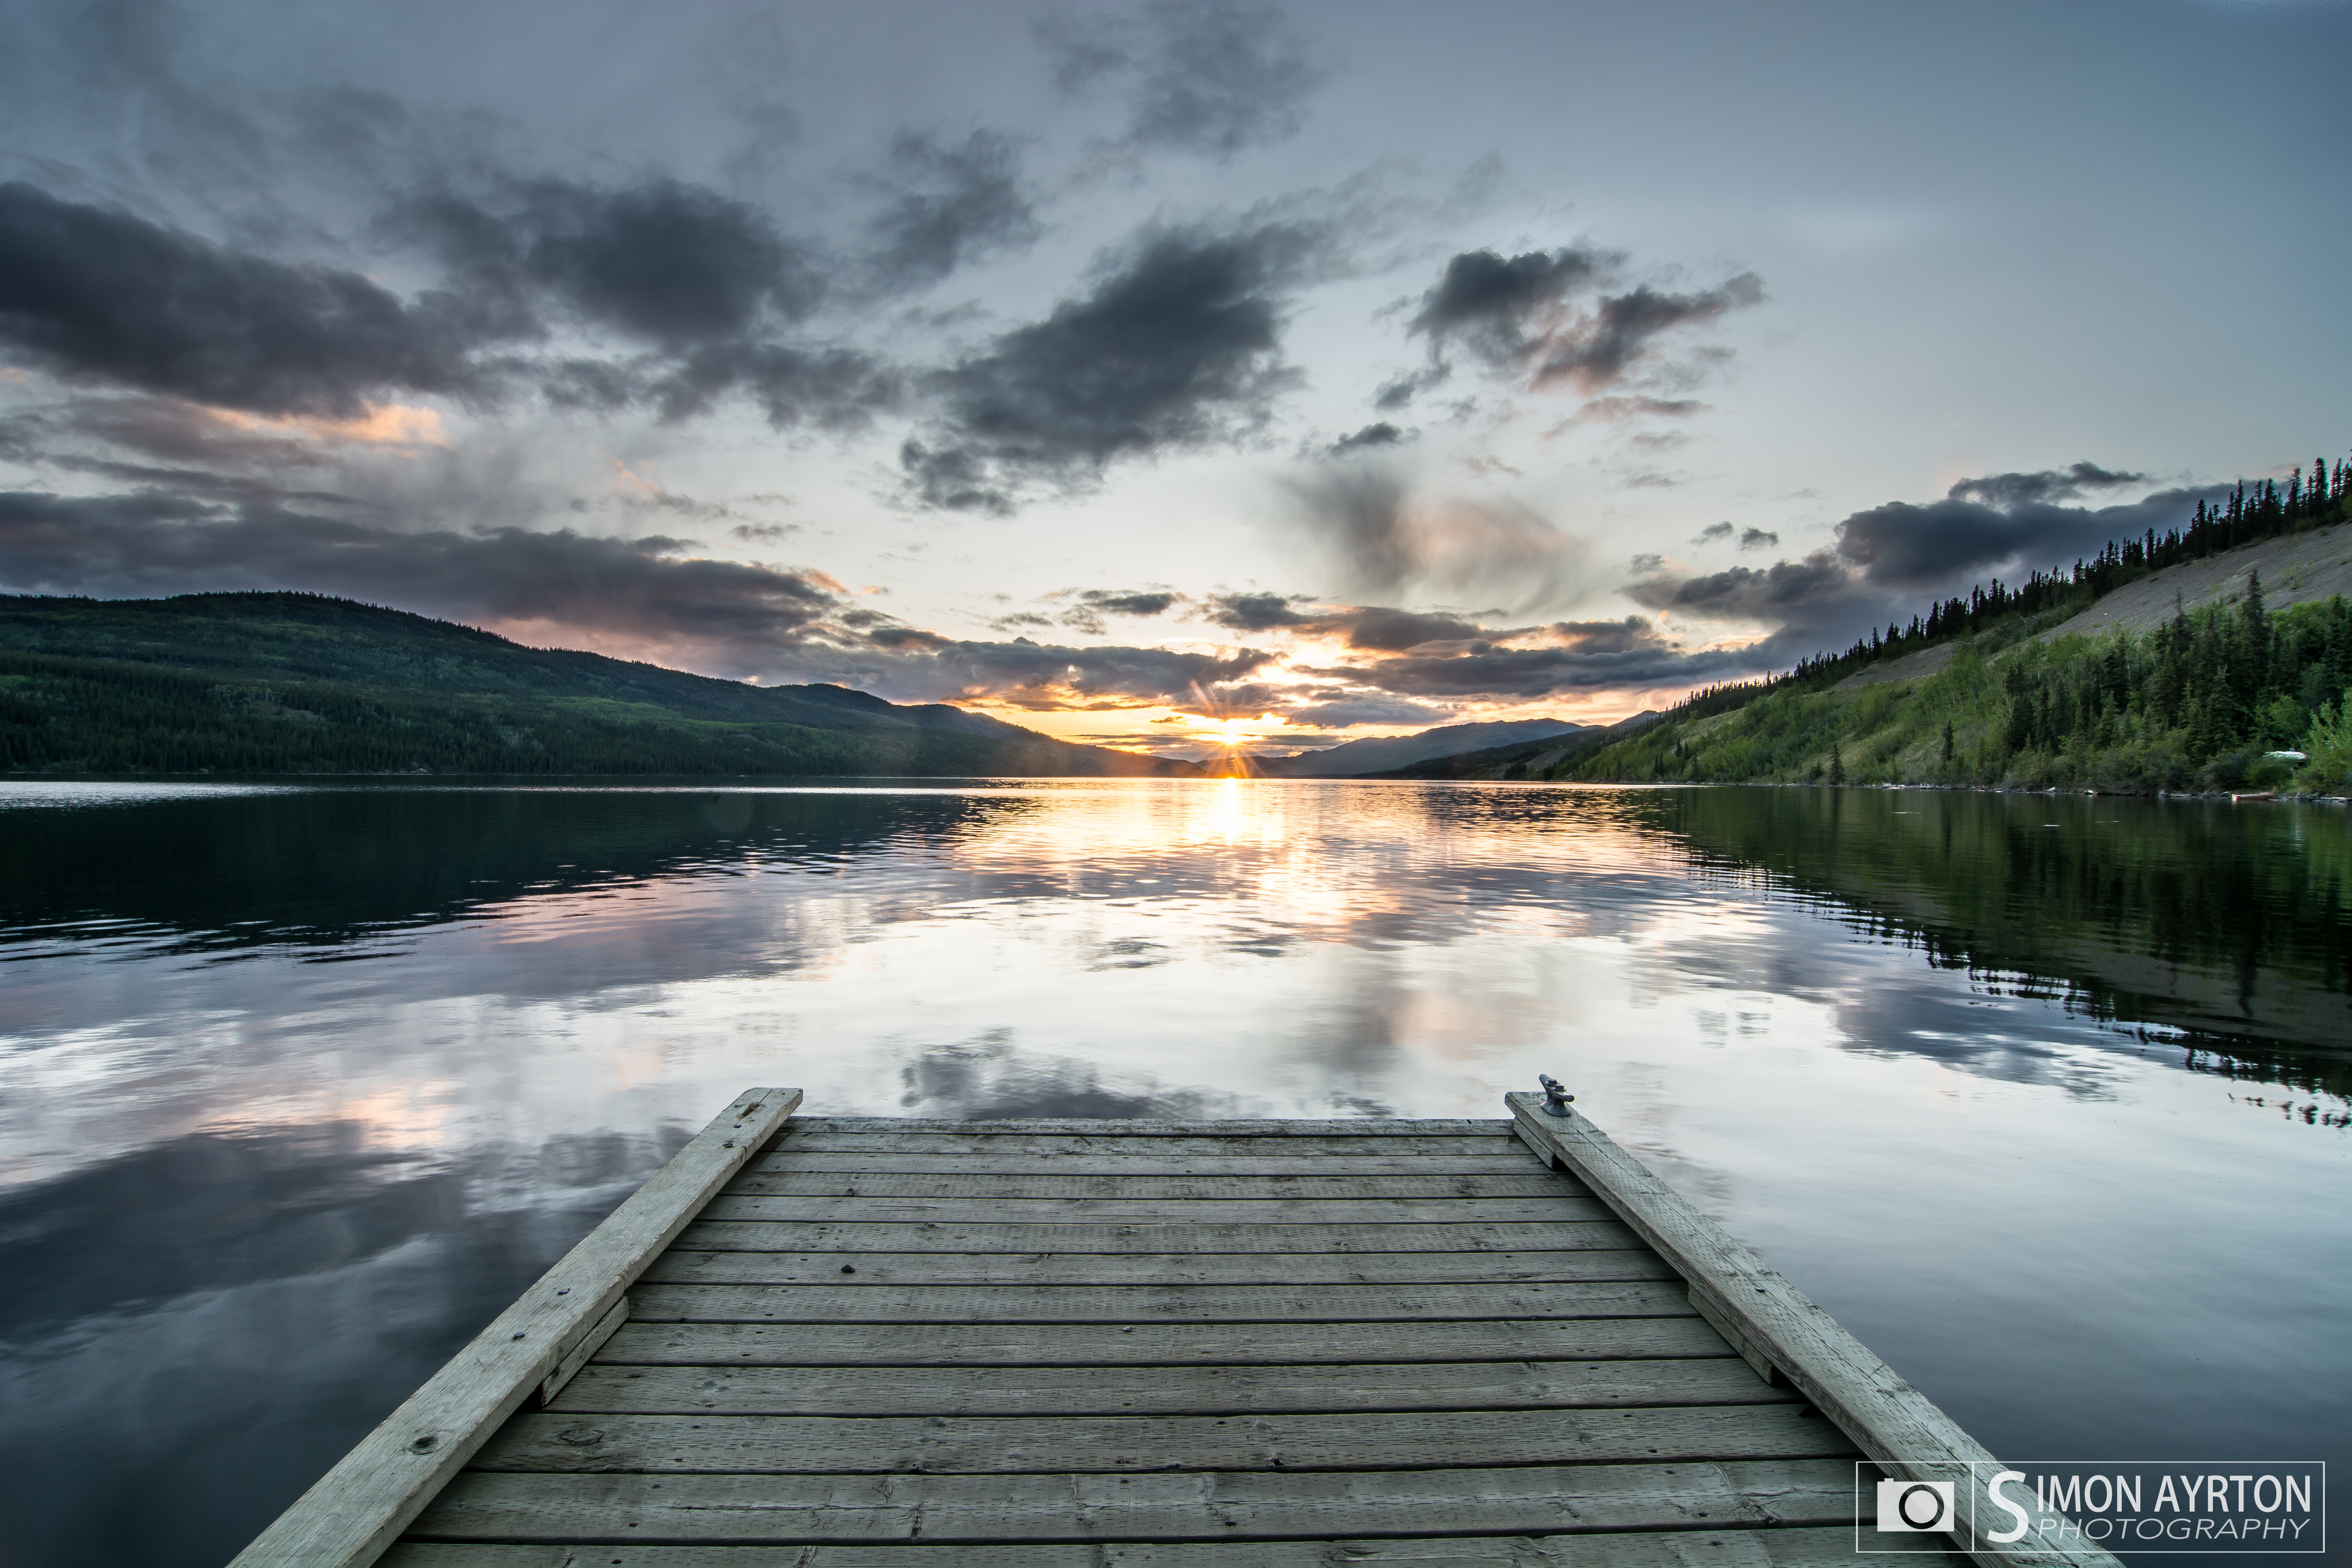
(2295, 569)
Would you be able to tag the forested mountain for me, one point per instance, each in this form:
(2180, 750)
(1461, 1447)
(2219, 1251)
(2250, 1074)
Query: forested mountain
(302, 683)
(1521, 759)
(2028, 694)
(1376, 757)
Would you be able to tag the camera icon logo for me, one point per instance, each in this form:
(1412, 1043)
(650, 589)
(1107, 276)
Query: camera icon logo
(1915, 1506)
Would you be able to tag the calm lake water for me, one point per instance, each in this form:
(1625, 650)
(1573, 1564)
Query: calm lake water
(299, 1085)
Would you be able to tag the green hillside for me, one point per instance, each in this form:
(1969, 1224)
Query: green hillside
(300, 683)
(2024, 688)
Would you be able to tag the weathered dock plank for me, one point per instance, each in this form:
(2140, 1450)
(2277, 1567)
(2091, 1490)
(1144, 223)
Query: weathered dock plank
(1253, 1389)
(1163, 1211)
(867, 1270)
(1196, 1505)
(1601, 1231)
(1152, 1303)
(1785, 1547)
(1156, 1344)
(805, 1139)
(1531, 1181)
(1117, 1127)
(1503, 1156)
(705, 1444)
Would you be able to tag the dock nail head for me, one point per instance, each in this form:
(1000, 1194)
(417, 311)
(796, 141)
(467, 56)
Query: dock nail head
(1556, 1099)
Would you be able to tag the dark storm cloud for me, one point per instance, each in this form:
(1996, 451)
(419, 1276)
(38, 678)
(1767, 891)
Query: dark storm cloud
(1759, 539)
(1714, 532)
(1773, 592)
(1177, 346)
(1086, 614)
(1355, 708)
(1391, 631)
(1597, 350)
(1037, 675)
(1371, 628)
(700, 283)
(1155, 602)
(94, 293)
(1496, 306)
(956, 201)
(1908, 548)
(1211, 77)
(668, 263)
(1528, 316)
(2049, 485)
(99, 295)
(1399, 391)
(155, 542)
(1584, 656)
(1253, 612)
(834, 388)
(1370, 436)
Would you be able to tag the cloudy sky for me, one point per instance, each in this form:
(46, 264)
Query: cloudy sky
(1147, 373)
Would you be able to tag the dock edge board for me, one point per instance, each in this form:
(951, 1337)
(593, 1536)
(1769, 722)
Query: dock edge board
(1777, 1330)
(359, 1508)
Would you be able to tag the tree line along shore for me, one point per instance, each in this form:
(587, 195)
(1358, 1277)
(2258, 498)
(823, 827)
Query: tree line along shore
(2021, 688)
(300, 683)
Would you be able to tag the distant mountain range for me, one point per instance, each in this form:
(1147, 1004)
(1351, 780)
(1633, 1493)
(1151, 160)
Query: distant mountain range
(302, 683)
(1532, 759)
(1357, 759)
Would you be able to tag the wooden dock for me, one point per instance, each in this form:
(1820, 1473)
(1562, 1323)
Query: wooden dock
(868, 1343)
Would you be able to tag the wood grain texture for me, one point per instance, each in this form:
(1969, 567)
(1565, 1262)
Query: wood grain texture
(356, 1510)
(1163, 1211)
(1797, 1547)
(806, 1138)
(1892, 1422)
(568, 1365)
(1138, 1304)
(1120, 1127)
(1253, 1390)
(865, 1270)
(1122, 1445)
(1213, 1506)
(1500, 1157)
(1115, 1237)
(641, 1343)
(1317, 1185)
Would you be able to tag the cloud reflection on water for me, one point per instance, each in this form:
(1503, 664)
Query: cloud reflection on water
(540, 991)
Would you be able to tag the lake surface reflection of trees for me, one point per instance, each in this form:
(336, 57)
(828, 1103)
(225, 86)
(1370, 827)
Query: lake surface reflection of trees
(2226, 923)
